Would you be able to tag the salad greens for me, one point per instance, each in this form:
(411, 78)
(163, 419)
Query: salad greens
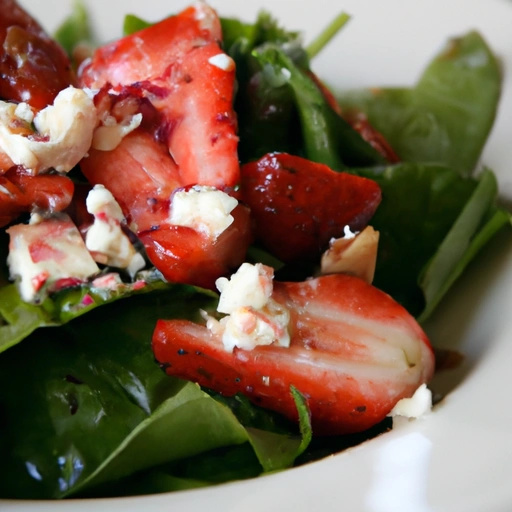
(448, 115)
(75, 30)
(425, 244)
(84, 409)
(91, 406)
(18, 318)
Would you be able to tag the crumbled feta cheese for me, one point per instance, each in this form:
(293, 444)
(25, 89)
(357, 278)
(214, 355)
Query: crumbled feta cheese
(418, 405)
(110, 133)
(204, 209)
(254, 318)
(222, 61)
(251, 286)
(63, 137)
(24, 112)
(46, 251)
(105, 239)
(247, 328)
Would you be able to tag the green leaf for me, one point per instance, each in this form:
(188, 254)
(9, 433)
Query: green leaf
(273, 438)
(76, 29)
(248, 36)
(267, 117)
(431, 223)
(90, 406)
(191, 418)
(21, 318)
(134, 24)
(447, 116)
(323, 39)
(327, 137)
(71, 395)
(304, 419)
(478, 222)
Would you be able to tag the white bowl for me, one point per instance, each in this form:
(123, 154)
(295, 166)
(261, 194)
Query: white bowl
(459, 458)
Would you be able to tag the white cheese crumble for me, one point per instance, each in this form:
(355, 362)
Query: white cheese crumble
(45, 251)
(105, 239)
(418, 405)
(204, 209)
(110, 133)
(24, 112)
(250, 286)
(63, 132)
(254, 318)
(222, 61)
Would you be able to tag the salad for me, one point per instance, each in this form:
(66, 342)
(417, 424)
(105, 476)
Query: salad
(92, 414)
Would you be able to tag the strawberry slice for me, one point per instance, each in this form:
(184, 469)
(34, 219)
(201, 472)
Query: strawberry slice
(176, 75)
(182, 70)
(185, 255)
(299, 205)
(354, 352)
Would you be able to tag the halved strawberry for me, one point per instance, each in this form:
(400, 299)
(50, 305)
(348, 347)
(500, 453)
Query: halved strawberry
(354, 353)
(299, 205)
(183, 84)
(180, 68)
(185, 255)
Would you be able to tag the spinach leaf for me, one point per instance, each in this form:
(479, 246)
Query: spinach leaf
(85, 404)
(188, 423)
(432, 222)
(270, 449)
(18, 318)
(280, 106)
(225, 464)
(75, 29)
(448, 115)
(133, 24)
(477, 223)
(267, 116)
(327, 137)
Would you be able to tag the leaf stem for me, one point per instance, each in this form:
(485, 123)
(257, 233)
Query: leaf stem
(327, 34)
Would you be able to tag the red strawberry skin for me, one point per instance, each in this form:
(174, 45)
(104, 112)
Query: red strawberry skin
(354, 353)
(299, 205)
(185, 255)
(172, 63)
(175, 73)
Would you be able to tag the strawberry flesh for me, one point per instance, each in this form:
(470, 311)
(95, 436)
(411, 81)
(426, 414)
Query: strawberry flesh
(354, 353)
